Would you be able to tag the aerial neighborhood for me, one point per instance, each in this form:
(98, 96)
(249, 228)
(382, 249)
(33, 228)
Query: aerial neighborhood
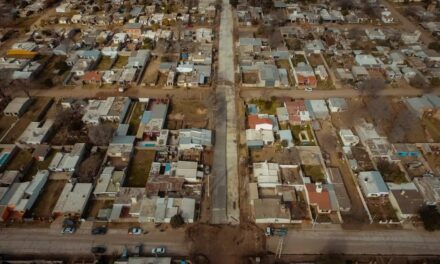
(220, 131)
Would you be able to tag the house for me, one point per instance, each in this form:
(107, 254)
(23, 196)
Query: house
(368, 61)
(121, 146)
(120, 38)
(259, 123)
(418, 105)
(282, 114)
(348, 138)
(6, 154)
(36, 132)
(406, 150)
(250, 45)
(168, 207)
(187, 170)
(134, 30)
(259, 138)
(22, 196)
(297, 110)
(113, 109)
(17, 107)
(286, 136)
(319, 198)
(270, 211)
(406, 200)
(9, 177)
(321, 72)
(372, 184)
(204, 35)
(152, 121)
(304, 75)
(267, 174)
(375, 34)
(337, 104)
(109, 183)
(344, 74)
(92, 77)
(68, 162)
(338, 186)
(73, 200)
(194, 138)
(317, 109)
(360, 73)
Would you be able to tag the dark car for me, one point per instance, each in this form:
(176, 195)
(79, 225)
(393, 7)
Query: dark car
(99, 230)
(99, 249)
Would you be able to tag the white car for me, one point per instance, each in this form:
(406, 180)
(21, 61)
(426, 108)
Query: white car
(309, 89)
(159, 250)
(135, 231)
(68, 230)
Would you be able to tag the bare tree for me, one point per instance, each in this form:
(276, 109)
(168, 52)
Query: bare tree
(89, 168)
(404, 124)
(420, 83)
(372, 86)
(101, 135)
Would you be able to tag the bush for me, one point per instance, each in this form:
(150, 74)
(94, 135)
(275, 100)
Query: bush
(391, 172)
(177, 221)
(430, 217)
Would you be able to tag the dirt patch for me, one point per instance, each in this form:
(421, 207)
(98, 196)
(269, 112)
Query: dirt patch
(140, 168)
(48, 198)
(225, 244)
(187, 114)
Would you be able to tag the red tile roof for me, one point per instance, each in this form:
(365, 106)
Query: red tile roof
(92, 76)
(254, 120)
(320, 199)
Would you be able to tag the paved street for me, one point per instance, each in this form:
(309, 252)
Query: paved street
(43, 240)
(321, 94)
(225, 208)
(398, 242)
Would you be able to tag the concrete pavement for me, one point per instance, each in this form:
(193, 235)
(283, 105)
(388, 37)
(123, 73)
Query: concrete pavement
(225, 207)
(386, 242)
(42, 241)
(322, 94)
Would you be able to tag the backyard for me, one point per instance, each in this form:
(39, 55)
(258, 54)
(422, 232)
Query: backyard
(314, 172)
(48, 198)
(267, 106)
(140, 168)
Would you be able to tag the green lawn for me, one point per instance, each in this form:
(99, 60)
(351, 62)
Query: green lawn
(136, 118)
(314, 172)
(120, 63)
(433, 127)
(296, 130)
(266, 106)
(140, 168)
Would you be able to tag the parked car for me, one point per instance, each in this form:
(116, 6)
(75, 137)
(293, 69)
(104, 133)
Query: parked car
(101, 230)
(309, 89)
(158, 250)
(135, 231)
(68, 230)
(99, 249)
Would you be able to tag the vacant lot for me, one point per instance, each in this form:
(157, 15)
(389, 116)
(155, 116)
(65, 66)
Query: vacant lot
(152, 71)
(273, 154)
(48, 198)
(315, 60)
(381, 209)
(433, 126)
(21, 161)
(249, 77)
(104, 64)
(267, 106)
(96, 205)
(120, 62)
(187, 114)
(136, 115)
(314, 172)
(6, 122)
(140, 168)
